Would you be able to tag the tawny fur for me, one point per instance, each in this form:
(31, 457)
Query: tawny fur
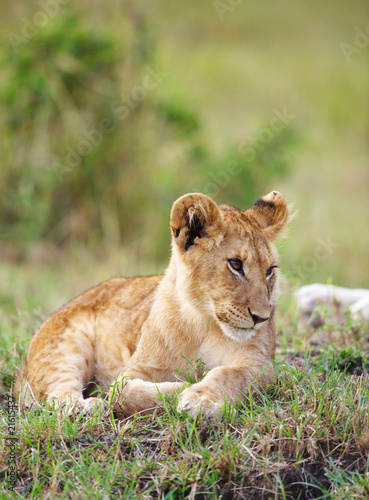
(139, 332)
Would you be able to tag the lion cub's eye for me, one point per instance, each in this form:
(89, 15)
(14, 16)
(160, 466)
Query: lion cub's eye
(236, 265)
(269, 272)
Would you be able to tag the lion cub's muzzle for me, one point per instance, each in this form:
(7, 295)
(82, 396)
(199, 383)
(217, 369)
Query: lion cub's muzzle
(237, 324)
(235, 317)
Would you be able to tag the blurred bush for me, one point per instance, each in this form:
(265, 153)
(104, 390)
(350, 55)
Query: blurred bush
(92, 155)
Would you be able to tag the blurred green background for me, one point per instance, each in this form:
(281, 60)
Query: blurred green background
(112, 110)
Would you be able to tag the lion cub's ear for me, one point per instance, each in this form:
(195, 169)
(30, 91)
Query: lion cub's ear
(195, 218)
(270, 213)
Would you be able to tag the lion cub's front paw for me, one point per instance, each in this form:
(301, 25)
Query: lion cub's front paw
(195, 400)
(89, 405)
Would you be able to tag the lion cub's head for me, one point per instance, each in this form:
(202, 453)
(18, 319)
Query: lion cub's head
(225, 261)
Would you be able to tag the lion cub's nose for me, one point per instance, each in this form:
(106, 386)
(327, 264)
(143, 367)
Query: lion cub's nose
(257, 319)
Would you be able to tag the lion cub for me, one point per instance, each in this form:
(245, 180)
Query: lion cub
(214, 302)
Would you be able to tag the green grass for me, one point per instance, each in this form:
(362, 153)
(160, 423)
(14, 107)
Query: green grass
(305, 437)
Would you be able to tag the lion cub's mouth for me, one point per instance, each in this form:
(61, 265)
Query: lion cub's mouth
(237, 333)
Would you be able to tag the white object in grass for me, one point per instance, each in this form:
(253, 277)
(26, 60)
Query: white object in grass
(355, 299)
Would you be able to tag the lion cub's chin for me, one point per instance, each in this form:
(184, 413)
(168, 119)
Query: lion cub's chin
(239, 334)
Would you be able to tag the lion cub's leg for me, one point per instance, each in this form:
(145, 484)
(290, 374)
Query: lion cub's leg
(71, 399)
(60, 363)
(224, 384)
(136, 395)
(73, 402)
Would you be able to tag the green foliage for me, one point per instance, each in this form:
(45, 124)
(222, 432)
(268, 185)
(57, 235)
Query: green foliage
(64, 154)
(349, 360)
(256, 166)
(345, 485)
(195, 371)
